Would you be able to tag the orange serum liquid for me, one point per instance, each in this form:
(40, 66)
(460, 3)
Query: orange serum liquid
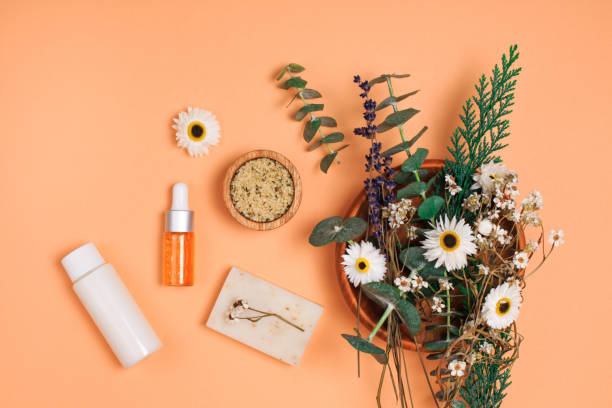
(178, 241)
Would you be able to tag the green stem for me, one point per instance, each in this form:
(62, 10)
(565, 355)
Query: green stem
(448, 306)
(388, 311)
(401, 130)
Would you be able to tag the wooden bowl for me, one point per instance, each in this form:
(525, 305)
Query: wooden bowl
(370, 312)
(297, 190)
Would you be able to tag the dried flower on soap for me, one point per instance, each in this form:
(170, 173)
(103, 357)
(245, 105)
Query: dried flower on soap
(241, 310)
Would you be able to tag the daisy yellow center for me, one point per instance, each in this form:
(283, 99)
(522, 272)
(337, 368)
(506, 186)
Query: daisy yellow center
(362, 265)
(449, 241)
(196, 131)
(503, 306)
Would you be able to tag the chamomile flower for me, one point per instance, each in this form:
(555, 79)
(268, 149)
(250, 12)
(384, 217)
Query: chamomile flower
(501, 305)
(491, 175)
(531, 246)
(418, 282)
(520, 260)
(403, 283)
(196, 131)
(449, 243)
(556, 237)
(438, 304)
(363, 263)
(457, 368)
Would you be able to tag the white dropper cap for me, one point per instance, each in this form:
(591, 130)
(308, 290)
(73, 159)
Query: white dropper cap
(82, 260)
(179, 218)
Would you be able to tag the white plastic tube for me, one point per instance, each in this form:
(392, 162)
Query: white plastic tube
(110, 305)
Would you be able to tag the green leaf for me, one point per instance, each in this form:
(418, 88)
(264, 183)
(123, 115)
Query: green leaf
(382, 293)
(412, 190)
(451, 328)
(327, 161)
(429, 271)
(295, 68)
(311, 128)
(295, 82)
(342, 148)
(331, 138)
(325, 231)
(383, 78)
(328, 121)
(403, 177)
(393, 100)
(351, 228)
(309, 94)
(282, 74)
(416, 160)
(363, 345)
(404, 145)
(409, 315)
(396, 119)
(438, 345)
(430, 207)
(306, 109)
(413, 258)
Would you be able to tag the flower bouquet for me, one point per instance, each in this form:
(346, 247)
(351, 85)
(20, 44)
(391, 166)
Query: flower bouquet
(443, 253)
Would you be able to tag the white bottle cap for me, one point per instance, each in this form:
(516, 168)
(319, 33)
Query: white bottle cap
(179, 218)
(82, 260)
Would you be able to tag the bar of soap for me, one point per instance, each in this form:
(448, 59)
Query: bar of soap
(270, 334)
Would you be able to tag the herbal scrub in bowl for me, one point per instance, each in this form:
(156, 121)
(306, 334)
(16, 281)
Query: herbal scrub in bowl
(262, 190)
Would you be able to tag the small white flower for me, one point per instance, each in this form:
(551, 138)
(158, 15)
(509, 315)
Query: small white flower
(556, 237)
(515, 216)
(196, 131)
(512, 188)
(531, 218)
(501, 305)
(438, 304)
(411, 232)
(531, 246)
(399, 212)
(457, 368)
(491, 176)
(418, 282)
(472, 358)
(404, 284)
(484, 269)
(364, 263)
(445, 284)
(451, 185)
(533, 201)
(520, 260)
(487, 348)
(485, 227)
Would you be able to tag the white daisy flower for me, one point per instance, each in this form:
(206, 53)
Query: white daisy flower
(487, 348)
(418, 282)
(520, 260)
(457, 368)
(449, 243)
(556, 237)
(364, 263)
(196, 131)
(491, 175)
(404, 284)
(445, 284)
(501, 305)
(484, 269)
(438, 304)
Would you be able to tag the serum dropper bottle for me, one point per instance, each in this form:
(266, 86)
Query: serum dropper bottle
(178, 245)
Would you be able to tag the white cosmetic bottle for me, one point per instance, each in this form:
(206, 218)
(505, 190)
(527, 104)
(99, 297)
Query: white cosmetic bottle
(110, 305)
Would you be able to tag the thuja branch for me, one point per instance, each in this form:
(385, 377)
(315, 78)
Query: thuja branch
(315, 123)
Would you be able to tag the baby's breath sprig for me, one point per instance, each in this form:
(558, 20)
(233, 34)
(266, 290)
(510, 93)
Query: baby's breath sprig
(314, 124)
(241, 310)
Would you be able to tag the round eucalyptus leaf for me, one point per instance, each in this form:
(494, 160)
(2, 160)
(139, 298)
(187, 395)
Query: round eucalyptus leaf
(325, 231)
(382, 293)
(430, 207)
(413, 189)
(409, 315)
(350, 229)
(413, 258)
(415, 161)
(362, 344)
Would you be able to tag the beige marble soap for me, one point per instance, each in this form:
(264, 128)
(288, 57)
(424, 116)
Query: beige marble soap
(264, 316)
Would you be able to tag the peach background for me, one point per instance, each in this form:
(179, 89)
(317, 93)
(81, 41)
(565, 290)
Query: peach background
(88, 91)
